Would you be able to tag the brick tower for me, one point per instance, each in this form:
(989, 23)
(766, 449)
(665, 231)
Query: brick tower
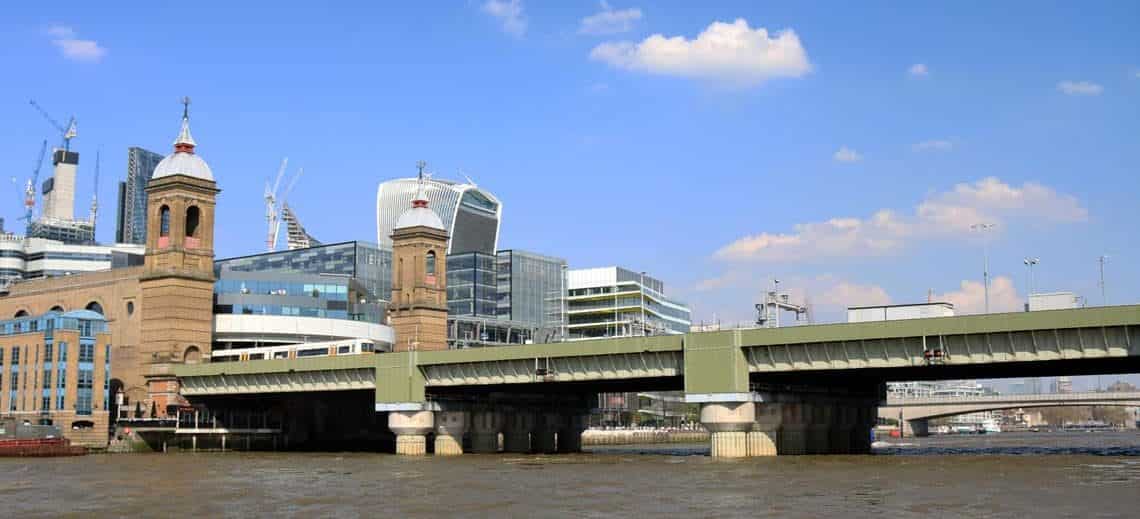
(178, 281)
(419, 280)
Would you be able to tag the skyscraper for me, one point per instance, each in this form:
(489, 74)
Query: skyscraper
(470, 214)
(131, 225)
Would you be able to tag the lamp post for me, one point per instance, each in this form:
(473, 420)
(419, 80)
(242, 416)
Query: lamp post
(1029, 263)
(984, 228)
(1103, 292)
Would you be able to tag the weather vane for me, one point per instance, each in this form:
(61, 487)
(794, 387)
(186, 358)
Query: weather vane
(186, 107)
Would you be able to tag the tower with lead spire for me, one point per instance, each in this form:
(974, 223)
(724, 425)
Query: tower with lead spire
(418, 308)
(177, 284)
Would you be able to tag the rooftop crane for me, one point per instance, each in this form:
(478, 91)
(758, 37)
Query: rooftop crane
(95, 191)
(271, 214)
(66, 133)
(30, 187)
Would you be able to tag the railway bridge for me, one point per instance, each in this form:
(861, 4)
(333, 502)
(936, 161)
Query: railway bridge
(795, 390)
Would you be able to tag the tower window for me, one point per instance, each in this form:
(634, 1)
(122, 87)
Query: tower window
(192, 217)
(164, 221)
(429, 268)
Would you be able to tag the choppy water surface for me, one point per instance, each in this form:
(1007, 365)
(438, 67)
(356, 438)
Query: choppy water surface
(1005, 475)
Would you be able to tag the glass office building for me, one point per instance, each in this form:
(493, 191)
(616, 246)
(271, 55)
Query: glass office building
(618, 302)
(470, 215)
(349, 280)
(471, 286)
(131, 224)
(531, 289)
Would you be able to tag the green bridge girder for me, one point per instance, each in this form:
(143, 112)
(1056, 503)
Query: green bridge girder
(709, 363)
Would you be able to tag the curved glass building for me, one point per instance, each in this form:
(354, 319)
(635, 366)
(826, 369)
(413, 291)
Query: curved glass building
(470, 214)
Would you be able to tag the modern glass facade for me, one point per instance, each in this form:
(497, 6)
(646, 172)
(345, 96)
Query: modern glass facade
(349, 280)
(531, 289)
(618, 302)
(470, 215)
(131, 225)
(472, 289)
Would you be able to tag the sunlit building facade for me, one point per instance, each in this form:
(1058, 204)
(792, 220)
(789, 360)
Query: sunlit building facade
(470, 214)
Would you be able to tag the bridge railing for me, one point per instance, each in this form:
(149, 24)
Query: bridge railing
(1082, 395)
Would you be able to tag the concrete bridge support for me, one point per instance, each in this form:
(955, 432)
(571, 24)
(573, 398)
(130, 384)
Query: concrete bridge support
(544, 437)
(919, 427)
(411, 429)
(728, 424)
(449, 429)
(485, 428)
(570, 433)
(793, 430)
(764, 436)
(520, 423)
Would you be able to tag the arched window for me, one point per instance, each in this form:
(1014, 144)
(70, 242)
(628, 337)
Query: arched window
(164, 221)
(192, 216)
(56, 308)
(429, 269)
(94, 306)
(192, 355)
(21, 313)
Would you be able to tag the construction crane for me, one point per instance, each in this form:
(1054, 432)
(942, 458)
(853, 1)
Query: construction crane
(30, 187)
(95, 192)
(274, 203)
(66, 133)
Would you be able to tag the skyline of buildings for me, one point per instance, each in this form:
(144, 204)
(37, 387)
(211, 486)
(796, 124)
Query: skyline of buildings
(130, 225)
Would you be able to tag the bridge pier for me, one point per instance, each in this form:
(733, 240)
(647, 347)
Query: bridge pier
(544, 437)
(411, 428)
(728, 424)
(449, 429)
(570, 433)
(485, 428)
(793, 430)
(763, 439)
(519, 424)
(919, 427)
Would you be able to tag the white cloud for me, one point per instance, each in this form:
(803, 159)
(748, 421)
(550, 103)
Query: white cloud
(609, 21)
(509, 13)
(845, 154)
(934, 145)
(918, 70)
(728, 52)
(74, 48)
(1080, 88)
(970, 298)
(945, 214)
(844, 294)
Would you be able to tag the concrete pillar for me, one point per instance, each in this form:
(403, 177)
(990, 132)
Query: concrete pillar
(570, 435)
(411, 428)
(819, 426)
(865, 415)
(520, 423)
(792, 439)
(449, 429)
(223, 443)
(764, 436)
(918, 427)
(842, 425)
(543, 438)
(485, 428)
(728, 424)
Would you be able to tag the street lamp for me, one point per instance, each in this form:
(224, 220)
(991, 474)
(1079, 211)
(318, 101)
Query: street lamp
(1029, 263)
(984, 228)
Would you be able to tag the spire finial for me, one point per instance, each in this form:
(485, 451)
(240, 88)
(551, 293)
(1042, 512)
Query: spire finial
(185, 143)
(421, 199)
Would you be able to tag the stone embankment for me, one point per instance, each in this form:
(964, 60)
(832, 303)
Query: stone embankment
(641, 436)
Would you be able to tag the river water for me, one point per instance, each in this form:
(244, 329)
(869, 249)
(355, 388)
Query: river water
(1003, 475)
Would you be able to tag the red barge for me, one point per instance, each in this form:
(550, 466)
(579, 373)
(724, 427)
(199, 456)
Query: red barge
(26, 440)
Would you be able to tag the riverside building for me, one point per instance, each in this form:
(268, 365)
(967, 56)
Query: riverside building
(55, 369)
(618, 302)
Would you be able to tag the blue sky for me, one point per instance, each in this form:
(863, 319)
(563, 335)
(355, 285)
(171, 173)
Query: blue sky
(633, 133)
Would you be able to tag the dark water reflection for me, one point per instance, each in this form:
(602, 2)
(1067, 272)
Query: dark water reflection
(1006, 475)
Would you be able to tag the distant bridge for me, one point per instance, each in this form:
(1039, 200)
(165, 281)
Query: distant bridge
(915, 412)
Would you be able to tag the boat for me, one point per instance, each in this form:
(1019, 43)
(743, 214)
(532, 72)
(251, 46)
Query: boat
(22, 439)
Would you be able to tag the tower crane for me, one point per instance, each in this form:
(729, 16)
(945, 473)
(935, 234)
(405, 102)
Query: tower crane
(278, 211)
(66, 133)
(95, 192)
(30, 187)
(271, 214)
